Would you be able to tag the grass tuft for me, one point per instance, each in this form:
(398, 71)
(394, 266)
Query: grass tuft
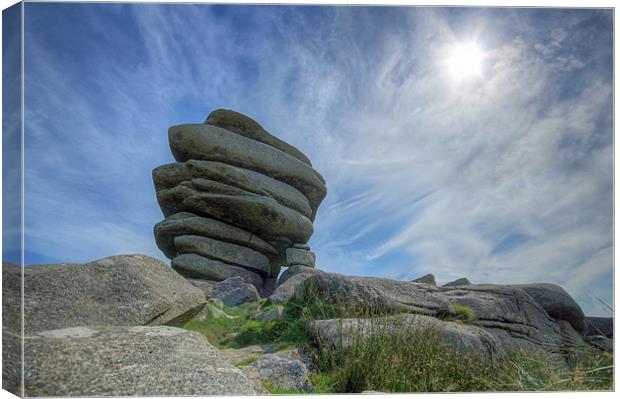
(464, 313)
(406, 361)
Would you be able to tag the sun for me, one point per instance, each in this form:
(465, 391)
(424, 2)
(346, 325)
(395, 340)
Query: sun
(465, 61)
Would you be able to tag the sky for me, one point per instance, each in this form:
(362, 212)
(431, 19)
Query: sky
(501, 176)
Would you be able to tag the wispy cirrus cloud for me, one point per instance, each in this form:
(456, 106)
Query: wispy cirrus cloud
(506, 178)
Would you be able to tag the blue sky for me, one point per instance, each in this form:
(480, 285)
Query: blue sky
(504, 177)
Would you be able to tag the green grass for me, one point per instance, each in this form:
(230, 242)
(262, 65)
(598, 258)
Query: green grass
(464, 314)
(218, 328)
(416, 361)
(410, 361)
(247, 361)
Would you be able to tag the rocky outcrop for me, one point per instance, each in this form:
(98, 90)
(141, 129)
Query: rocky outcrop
(128, 361)
(508, 313)
(238, 202)
(374, 294)
(125, 290)
(426, 279)
(457, 282)
(514, 318)
(469, 339)
(557, 303)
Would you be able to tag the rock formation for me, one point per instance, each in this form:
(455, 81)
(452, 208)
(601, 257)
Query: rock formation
(238, 202)
(531, 318)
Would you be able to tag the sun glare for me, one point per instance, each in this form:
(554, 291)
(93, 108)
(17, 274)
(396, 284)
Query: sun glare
(465, 61)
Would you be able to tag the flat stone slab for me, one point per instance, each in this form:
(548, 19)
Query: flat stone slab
(248, 127)
(186, 223)
(200, 267)
(224, 251)
(128, 361)
(300, 257)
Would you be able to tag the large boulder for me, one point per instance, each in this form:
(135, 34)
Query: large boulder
(294, 270)
(248, 127)
(127, 361)
(345, 333)
(281, 373)
(288, 282)
(557, 303)
(374, 294)
(300, 257)
(124, 290)
(514, 318)
(234, 291)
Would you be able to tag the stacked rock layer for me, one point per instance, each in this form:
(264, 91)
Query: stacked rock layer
(238, 201)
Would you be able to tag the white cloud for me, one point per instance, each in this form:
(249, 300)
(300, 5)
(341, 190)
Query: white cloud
(439, 173)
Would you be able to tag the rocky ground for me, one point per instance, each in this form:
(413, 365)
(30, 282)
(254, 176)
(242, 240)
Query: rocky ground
(130, 325)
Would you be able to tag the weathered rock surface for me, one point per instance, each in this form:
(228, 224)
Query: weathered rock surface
(282, 373)
(288, 282)
(170, 175)
(199, 267)
(513, 317)
(248, 127)
(120, 290)
(466, 338)
(300, 257)
(205, 286)
(11, 328)
(234, 291)
(557, 303)
(426, 279)
(293, 270)
(374, 294)
(185, 223)
(128, 361)
(230, 253)
(211, 143)
(508, 313)
(600, 326)
(237, 195)
(457, 282)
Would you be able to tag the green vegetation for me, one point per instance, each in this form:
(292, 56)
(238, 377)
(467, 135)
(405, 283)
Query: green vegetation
(247, 361)
(398, 359)
(464, 313)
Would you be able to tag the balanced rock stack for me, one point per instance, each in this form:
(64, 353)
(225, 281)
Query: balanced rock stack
(238, 202)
